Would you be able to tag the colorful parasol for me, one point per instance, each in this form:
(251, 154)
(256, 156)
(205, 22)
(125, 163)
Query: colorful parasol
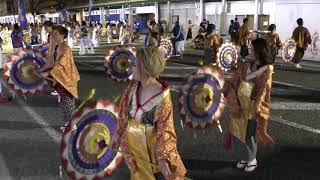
(227, 56)
(166, 47)
(20, 72)
(118, 63)
(103, 32)
(315, 44)
(289, 49)
(42, 49)
(6, 37)
(26, 37)
(201, 98)
(84, 148)
(114, 32)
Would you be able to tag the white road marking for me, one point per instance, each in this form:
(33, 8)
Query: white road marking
(95, 56)
(180, 67)
(168, 75)
(55, 135)
(4, 171)
(295, 125)
(295, 106)
(179, 64)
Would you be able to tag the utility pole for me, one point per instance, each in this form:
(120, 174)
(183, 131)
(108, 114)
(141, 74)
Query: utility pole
(14, 13)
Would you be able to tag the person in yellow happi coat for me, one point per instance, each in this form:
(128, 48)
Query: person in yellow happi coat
(63, 72)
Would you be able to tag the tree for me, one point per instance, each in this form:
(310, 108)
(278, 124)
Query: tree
(34, 8)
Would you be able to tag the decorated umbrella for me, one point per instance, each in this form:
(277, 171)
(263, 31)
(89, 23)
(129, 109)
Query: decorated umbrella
(288, 50)
(118, 63)
(227, 56)
(114, 32)
(103, 32)
(42, 49)
(26, 37)
(6, 37)
(201, 101)
(84, 150)
(20, 72)
(315, 44)
(166, 47)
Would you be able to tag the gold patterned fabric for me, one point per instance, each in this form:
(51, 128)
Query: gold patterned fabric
(244, 35)
(141, 141)
(274, 39)
(238, 125)
(163, 134)
(302, 36)
(65, 71)
(237, 93)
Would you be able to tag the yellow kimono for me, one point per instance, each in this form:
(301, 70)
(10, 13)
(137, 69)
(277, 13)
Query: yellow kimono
(65, 71)
(147, 134)
(248, 101)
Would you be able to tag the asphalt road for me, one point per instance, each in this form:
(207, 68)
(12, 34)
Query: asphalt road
(30, 135)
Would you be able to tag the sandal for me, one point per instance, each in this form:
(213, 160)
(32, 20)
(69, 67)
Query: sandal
(251, 166)
(242, 164)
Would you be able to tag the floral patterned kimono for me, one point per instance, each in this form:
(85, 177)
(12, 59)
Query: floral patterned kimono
(65, 79)
(252, 99)
(147, 133)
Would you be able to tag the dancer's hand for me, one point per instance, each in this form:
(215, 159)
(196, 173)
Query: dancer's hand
(114, 142)
(164, 168)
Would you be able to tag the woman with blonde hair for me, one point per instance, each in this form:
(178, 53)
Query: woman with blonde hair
(145, 130)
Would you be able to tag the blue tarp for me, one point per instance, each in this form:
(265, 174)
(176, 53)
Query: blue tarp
(113, 17)
(142, 25)
(93, 18)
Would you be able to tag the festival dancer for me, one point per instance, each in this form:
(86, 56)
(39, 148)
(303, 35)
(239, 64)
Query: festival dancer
(84, 42)
(302, 37)
(120, 27)
(248, 97)
(17, 38)
(3, 99)
(44, 36)
(1, 42)
(178, 40)
(145, 125)
(109, 36)
(153, 39)
(211, 44)
(64, 72)
(189, 32)
(244, 36)
(95, 36)
(273, 41)
(125, 37)
(70, 35)
(49, 26)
